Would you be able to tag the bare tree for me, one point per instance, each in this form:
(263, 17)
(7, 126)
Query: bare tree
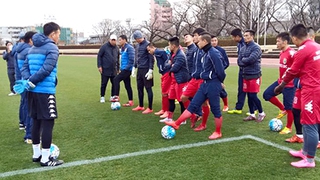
(107, 27)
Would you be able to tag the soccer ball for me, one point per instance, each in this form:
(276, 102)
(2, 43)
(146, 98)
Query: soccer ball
(54, 151)
(115, 106)
(168, 132)
(275, 124)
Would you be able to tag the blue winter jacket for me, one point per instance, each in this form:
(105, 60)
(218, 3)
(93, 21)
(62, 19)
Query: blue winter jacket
(144, 59)
(179, 67)
(127, 57)
(40, 67)
(212, 67)
(191, 49)
(21, 55)
(250, 60)
(224, 55)
(162, 57)
(197, 66)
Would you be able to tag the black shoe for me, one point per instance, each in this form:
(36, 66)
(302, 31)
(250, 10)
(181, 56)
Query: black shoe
(52, 162)
(22, 127)
(36, 159)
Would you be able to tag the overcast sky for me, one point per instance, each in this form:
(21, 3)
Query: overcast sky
(79, 15)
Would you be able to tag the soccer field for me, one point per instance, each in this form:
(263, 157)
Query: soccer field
(98, 143)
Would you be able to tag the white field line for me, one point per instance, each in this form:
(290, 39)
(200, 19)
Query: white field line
(140, 153)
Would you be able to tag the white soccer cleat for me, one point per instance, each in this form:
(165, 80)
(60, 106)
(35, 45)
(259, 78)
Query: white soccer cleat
(102, 100)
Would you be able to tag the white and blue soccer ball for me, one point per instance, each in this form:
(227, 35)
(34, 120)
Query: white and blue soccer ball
(275, 125)
(54, 151)
(168, 132)
(115, 106)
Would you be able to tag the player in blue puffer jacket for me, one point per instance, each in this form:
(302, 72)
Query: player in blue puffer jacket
(127, 59)
(40, 73)
(21, 55)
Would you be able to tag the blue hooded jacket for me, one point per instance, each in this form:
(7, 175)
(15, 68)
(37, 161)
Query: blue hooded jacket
(127, 57)
(21, 55)
(40, 67)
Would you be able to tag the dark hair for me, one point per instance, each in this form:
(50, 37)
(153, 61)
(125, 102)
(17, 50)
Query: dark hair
(151, 44)
(236, 32)
(123, 37)
(50, 27)
(299, 31)
(213, 36)
(7, 42)
(174, 41)
(28, 36)
(205, 32)
(187, 34)
(198, 31)
(285, 36)
(206, 37)
(252, 32)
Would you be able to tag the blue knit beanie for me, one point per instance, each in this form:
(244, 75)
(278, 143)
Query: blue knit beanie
(137, 35)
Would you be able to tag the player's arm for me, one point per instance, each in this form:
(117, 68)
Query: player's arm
(294, 70)
(216, 59)
(25, 71)
(226, 59)
(131, 55)
(47, 67)
(253, 57)
(100, 55)
(178, 63)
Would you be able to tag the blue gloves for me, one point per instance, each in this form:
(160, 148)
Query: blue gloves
(22, 85)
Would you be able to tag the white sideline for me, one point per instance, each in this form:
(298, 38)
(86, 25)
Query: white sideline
(139, 153)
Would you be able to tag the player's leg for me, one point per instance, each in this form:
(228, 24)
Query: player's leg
(127, 85)
(309, 147)
(112, 86)
(103, 87)
(224, 97)
(269, 95)
(288, 96)
(241, 96)
(296, 111)
(148, 84)
(196, 102)
(140, 86)
(213, 96)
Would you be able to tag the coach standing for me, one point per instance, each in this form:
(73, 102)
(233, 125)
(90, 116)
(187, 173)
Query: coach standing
(144, 62)
(108, 65)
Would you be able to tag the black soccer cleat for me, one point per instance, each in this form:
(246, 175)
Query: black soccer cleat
(36, 159)
(52, 162)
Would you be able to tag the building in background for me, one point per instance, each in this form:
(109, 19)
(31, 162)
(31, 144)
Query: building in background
(161, 12)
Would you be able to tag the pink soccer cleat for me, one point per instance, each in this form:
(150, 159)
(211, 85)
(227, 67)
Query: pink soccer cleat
(298, 154)
(303, 164)
(215, 135)
(172, 124)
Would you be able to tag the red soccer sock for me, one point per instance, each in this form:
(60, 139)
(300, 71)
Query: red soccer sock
(225, 101)
(289, 119)
(165, 103)
(275, 101)
(205, 115)
(218, 122)
(170, 115)
(184, 116)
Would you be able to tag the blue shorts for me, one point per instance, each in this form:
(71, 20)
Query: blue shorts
(288, 95)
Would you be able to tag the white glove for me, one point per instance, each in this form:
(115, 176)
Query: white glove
(149, 74)
(133, 72)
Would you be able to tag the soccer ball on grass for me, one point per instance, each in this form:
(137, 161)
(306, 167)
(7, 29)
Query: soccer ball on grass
(168, 132)
(115, 106)
(54, 151)
(275, 125)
